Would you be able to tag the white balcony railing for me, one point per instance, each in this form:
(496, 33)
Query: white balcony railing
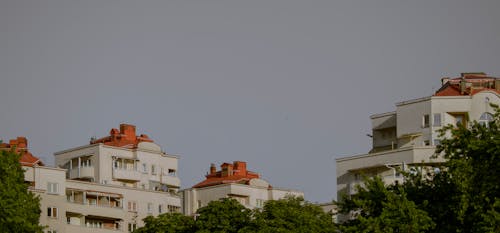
(82, 172)
(170, 180)
(125, 174)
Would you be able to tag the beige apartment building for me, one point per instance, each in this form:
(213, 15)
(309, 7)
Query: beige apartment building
(109, 185)
(232, 181)
(408, 136)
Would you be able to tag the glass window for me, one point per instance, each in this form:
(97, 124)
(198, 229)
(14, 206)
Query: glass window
(52, 212)
(486, 118)
(437, 119)
(52, 188)
(425, 121)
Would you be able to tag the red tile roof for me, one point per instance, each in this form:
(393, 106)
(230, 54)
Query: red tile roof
(125, 137)
(229, 173)
(468, 84)
(20, 146)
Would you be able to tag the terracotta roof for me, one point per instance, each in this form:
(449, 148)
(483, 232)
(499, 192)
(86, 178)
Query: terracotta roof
(229, 173)
(468, 84)
(20, 145)
(125, 137)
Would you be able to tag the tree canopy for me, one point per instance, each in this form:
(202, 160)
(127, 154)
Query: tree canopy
(20, 209)
(463, 195)
(291, 214)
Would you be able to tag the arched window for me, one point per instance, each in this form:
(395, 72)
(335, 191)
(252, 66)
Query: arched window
(485, 118)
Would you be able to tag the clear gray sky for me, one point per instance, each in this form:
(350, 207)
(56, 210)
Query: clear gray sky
(286, 85)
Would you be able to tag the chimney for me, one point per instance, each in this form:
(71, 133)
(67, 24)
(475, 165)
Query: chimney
(128, 130)
(463, 85)
(240, 168)
(445, 80)
(213, 170)
(227, 169)
(19, 143)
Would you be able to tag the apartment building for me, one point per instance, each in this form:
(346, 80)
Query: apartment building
(232, 181)
(109, 185)
(409, 135)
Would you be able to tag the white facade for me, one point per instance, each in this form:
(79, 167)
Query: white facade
(252, 195)
(409, 135)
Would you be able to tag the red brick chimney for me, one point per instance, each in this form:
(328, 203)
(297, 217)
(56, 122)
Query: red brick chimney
(128, 131)
(240, 168)
(213, 169)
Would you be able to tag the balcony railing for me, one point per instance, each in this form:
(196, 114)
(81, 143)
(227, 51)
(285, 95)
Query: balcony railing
(170, 180)
(126, 174)
(84, 172)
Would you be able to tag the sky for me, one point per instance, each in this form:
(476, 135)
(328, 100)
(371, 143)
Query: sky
(286, 85)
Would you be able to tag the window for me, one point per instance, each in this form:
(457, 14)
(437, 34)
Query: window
(52, 188)
(173, 209)
(425, 121)
(132, 206)
(132, 227)
(150, 208)
(259, 203)
(116, 164)
(460, 120)
(172, 172)
(485, 119)
(199, 203)
(426, 143)
(144, 168)
(52, 212)
(437, 142)
(153, 169)
(51, 231)
(437, 119)
(160, 208)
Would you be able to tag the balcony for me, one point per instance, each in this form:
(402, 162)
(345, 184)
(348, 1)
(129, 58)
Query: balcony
(95, 203)
(170, 180)
(388, 180)
(126, 174)
(82, 172)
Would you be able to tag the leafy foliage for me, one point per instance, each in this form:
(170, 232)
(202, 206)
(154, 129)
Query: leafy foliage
(464, 196)
(291, 214)
(377, 208)
(20, 209)
(168, 223)
(226, 215)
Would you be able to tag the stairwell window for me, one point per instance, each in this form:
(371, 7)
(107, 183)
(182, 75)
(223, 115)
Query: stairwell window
(52, 212)
(437, 120)
(425, 121)
(52, 188)
(132, 206)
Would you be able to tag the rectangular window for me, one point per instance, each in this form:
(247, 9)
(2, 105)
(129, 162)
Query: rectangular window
(172, 172)
(52, 212)
(52, 188)
(150, 208)
(153, 169)
(426, 143)
(425, 121)
(199, 203)
(459, 120)
(132, 206)
(160, 208)
(132, 227)
(437, 142)
(144, 168)
(437, 119)
(259, 203)
(173, 209)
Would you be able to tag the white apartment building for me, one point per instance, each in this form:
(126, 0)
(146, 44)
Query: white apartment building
(232, 181)
(408, 136)
(107, 186)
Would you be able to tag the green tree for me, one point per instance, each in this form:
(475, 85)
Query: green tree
(378, 208)
(19, 208)
(226, 215)
(291, 214)
(473, 167)
(167, 223)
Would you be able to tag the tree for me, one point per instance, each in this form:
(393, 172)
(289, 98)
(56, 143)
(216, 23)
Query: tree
(291, 214)
(226, 215)
(168, 223)
(378, 208)
(19, 208)
(473, 168)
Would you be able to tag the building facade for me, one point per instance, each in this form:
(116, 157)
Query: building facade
(232, 181)
(409, 135)
(109, 185)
